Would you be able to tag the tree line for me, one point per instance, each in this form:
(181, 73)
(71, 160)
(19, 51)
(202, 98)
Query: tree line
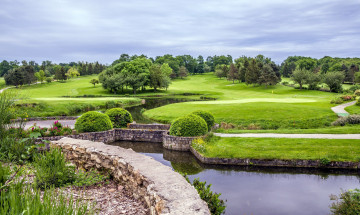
(17, 74)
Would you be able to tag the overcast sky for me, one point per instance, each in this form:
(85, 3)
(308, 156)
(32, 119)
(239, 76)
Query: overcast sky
(90, 30)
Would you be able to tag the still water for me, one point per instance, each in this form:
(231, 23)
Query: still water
(258, 191)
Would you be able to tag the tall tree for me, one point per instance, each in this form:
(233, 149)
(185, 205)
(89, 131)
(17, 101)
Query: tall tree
(233, 73)
(299, 76)
(40, 76)
(268, 76)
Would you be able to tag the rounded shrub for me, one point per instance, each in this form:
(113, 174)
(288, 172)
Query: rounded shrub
(93, 121)
(189, 126)
(119, 117)
(207, 116)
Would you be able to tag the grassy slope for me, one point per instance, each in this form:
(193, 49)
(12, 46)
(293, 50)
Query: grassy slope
(242, 104)
(350, 129)
(49, 96)
(2, 83)
(287, 149)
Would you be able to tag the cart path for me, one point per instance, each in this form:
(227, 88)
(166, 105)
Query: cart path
(296, 136)
(49, 123)
(340, 109)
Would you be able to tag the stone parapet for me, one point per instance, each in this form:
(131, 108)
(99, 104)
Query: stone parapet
(177, 143)
(161, 189)
(149, 126)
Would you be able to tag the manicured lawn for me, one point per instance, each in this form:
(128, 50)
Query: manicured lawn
(354, 109)
(273, 107)
(284, 148)
(350, 129)
(49, 100)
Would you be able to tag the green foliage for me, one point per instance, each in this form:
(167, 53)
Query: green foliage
(199, 145)
(347, 120)
(93, 121)
(51, 169)
(216, 205)
(324, 161)
(207, 116)
(334, 81)
(119, 117)
(88, 178)
(7, 101)
(49, 79)
(348, 203)
(357, 92)
(72, 73)
(94, 81)
(4, 174)
(17, 150)
(40, 75)
(299, 76)
(22, 199)
(188, 126)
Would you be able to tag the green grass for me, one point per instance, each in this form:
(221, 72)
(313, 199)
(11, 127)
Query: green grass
(48, 98)
(2, 83)
(354, 109)
(273, 107)
(284, 148)
(350, 129)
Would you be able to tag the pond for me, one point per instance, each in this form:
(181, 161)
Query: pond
(258, 191)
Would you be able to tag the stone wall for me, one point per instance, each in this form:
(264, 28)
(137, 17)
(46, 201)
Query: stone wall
(275, 162)
(159, 187)
(177, 143)
(48, 118)
(116, 134)
(153, 136)
(149, 126)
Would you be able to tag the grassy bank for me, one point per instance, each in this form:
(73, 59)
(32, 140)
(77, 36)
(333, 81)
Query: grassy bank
(287, 149)
(272, 107)
(350, 129)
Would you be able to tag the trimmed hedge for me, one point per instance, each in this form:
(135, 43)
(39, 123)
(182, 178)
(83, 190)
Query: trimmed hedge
(189, 126)
(207, 116)
(93, 121)
(119, 117)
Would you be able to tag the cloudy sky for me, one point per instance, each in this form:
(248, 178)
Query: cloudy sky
(90, 30)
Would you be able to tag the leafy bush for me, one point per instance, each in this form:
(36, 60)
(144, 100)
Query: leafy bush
(51, 169)
(18, 150)
(352, 119)
(215, 204)
(347, 203)
(199, 145)
(189, 126)
(93, 121)
(88, 178)
(357, 92)
(337, 100)
(49, 79)
(207, 116)
(119, 117)
(348, 97)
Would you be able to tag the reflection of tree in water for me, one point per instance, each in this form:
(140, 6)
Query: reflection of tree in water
(183, 162)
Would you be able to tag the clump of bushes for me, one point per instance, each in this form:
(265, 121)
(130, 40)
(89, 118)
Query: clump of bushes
(93, 121)
(343, 98)
(352, 119)
(347, 203)
(189, 126)
(53, 170)
(357, 92)
(119, 117)
(207, 116)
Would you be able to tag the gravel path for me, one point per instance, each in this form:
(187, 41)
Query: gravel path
(340, 109)
(309, 136)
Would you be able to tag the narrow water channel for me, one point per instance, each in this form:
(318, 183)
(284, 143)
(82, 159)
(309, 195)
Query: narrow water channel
(258, 191)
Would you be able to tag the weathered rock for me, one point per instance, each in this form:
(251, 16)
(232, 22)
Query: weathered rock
(159, 187)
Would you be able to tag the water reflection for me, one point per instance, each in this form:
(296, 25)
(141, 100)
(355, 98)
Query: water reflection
(258, 191)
